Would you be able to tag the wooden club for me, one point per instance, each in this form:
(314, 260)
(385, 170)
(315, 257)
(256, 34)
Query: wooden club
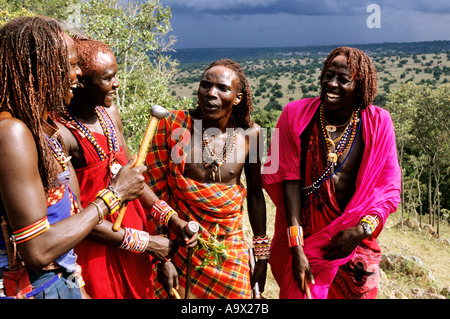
(157, 112)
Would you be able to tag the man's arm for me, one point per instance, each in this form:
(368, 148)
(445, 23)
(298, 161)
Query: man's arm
(301, 269)
(256, 207)
(24, 198)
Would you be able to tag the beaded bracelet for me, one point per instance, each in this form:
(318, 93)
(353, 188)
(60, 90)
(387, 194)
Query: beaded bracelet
(110, 199)
(162, 212)
(372, 220)
(135, 240)
(261, 246)
(29, 232)
(295, 236)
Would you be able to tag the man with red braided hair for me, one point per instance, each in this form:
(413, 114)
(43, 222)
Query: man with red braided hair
(337, 181)
(195, 163)
(115, 265)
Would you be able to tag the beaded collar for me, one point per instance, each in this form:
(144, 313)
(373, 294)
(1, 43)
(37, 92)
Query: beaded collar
(108, 129)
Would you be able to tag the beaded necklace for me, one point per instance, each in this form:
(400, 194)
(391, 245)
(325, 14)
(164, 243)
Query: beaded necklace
(57, 151)
(214, 160)
(108, 129)
(345, 143)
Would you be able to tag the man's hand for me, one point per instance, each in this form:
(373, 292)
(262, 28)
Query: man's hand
(259, 274)
(301, 270)
(177, 225)
(344, 242)
(161, 247)
(168, 277)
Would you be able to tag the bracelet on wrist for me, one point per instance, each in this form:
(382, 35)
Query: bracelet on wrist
(135, 240)
(369, 224)
(261, 245)
(110, 199)
(100, 213)
(162, 212)
(295, 236)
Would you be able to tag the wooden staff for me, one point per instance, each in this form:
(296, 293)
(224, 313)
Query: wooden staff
(157, 112)
(191, 228)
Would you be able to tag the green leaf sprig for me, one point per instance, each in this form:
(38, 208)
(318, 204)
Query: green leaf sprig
(216, 251)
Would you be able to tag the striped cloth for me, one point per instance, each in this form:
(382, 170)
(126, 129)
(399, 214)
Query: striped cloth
(206, 203)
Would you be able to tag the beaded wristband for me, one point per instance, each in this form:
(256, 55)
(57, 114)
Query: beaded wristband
(261, 246)
(372, 220)
(295, 236)
(29, 232)
(135, 240)
(162, 212)
(110, 200)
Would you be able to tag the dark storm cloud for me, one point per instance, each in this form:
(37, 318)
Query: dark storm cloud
(302, 7)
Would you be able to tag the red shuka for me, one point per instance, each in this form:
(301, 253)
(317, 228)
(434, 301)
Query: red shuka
(110, 272)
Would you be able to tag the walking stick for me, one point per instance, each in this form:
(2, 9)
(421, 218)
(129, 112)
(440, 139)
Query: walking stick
(191, 228)
(157, 112)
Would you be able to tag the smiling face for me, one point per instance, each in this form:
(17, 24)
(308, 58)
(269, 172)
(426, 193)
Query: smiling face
(338, 87)
(218, 93)
(74, 69)
(103, 84)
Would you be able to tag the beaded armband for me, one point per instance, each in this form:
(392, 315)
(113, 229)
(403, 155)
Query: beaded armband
(29, 232)
(135, 240)
(162, 212)
(111, 199)
(261, 246)
(295, 236)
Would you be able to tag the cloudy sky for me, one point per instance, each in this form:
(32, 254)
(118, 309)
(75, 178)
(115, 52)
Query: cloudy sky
(269, 23)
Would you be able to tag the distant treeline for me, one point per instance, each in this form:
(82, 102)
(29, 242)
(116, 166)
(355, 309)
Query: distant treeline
(207, 55)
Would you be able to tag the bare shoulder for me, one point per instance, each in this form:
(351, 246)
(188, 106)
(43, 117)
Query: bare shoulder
(14, 133)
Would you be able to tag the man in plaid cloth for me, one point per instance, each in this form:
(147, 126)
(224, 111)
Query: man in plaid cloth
(194, 165)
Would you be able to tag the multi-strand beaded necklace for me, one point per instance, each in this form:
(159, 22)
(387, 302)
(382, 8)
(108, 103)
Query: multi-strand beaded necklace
(108, 129)
(345, 143)
(214, 160)
(57, 150)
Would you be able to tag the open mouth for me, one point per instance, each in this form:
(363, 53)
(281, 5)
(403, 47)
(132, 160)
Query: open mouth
(73, 86)
(332, 96)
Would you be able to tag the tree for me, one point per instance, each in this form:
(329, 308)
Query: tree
(421, 119)
(137, 32)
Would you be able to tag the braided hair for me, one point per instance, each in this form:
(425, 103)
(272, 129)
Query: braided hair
(362, 70)
(34, 76)
(241, 112)
(87, 54)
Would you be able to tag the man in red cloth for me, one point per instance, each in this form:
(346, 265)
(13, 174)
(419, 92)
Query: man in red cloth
(337, 181)
(115, 264)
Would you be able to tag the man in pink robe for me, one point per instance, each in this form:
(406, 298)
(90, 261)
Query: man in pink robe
(365, 181)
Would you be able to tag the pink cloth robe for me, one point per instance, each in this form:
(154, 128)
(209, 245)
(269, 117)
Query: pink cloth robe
(377, 191)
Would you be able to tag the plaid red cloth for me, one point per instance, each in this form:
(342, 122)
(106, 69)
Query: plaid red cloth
(208, 204)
